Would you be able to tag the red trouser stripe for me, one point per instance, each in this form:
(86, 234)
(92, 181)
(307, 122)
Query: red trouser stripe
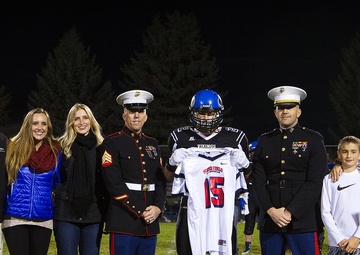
(317, 248)
(112, 244)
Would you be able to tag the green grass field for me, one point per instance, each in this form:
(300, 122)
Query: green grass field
(166, 242)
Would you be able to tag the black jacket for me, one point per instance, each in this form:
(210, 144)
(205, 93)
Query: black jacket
(288, 170)
(131, 158)
(97, 210)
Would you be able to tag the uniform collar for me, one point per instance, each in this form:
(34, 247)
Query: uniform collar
(131, 133)
(289, 130)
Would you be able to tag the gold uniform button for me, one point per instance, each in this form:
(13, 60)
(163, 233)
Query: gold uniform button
(145, 179)
(133, 206)
(143, 162)
(144, 170)
(266, 156)
(285, 137)
(283, 149)
(299, 156)
(129, 157)
(282, 161)
(142, 155)
(139, 212)
(127, 202)
(137, 141)
(282, 173)
(140, 148)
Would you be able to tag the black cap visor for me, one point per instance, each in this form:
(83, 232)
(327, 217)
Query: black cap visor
(286, 105)
(136, 106)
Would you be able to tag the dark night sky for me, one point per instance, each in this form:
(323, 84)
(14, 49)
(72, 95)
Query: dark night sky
(257, 46)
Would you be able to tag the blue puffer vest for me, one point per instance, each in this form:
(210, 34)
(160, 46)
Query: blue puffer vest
(30, 197)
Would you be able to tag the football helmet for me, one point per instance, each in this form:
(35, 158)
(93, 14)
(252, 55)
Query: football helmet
(206, 102)
(253, 145)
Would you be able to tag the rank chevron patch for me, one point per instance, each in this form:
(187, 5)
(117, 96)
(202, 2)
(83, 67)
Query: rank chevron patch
(106, 159)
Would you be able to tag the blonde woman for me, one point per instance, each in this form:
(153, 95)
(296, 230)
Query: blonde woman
(32, 162)
(79, 198)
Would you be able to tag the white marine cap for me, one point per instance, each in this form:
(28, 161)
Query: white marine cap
(135, 99)
(287, 95)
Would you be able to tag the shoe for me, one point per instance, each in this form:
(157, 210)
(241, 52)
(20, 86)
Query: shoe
(246, 252)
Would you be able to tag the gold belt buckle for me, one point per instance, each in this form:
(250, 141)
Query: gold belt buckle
(145, 187)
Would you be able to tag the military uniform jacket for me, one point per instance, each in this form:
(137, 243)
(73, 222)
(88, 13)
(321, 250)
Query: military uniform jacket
(288, 169)
(131, 159)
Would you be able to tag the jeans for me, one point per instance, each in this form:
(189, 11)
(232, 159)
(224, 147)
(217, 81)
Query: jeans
(337, 251)
(72, 238)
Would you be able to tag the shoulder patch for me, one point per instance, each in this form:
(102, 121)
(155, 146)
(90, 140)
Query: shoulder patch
(106, 159)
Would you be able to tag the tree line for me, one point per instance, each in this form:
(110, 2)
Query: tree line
(173, 65)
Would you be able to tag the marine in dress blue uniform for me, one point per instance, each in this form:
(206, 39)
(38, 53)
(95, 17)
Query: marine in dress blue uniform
(133, 176)
(288, 168)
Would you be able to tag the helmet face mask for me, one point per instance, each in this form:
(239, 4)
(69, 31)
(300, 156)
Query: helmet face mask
(206, 111)
(206, 125)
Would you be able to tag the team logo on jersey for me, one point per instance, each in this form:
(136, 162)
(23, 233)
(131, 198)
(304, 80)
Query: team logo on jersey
(207, 146)
(232, 129)
(299, 146)
(213, 169)
(106, 159)
(151, 151)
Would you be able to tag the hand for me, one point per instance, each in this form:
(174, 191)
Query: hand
(343, 244)
(238, 158)
(178, 156)
(352, 244)
(280, 216)
(335, 172)
(151, 213)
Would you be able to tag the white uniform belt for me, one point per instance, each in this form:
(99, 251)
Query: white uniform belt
(140, 187)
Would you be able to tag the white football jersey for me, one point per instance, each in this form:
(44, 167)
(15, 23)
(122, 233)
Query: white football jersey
(211, 183)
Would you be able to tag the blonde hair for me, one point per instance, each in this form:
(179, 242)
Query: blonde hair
(349, 139)
(21, 146)
(67, 139)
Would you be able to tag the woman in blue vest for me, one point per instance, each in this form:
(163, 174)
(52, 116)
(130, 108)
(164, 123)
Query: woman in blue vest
(32, 162)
